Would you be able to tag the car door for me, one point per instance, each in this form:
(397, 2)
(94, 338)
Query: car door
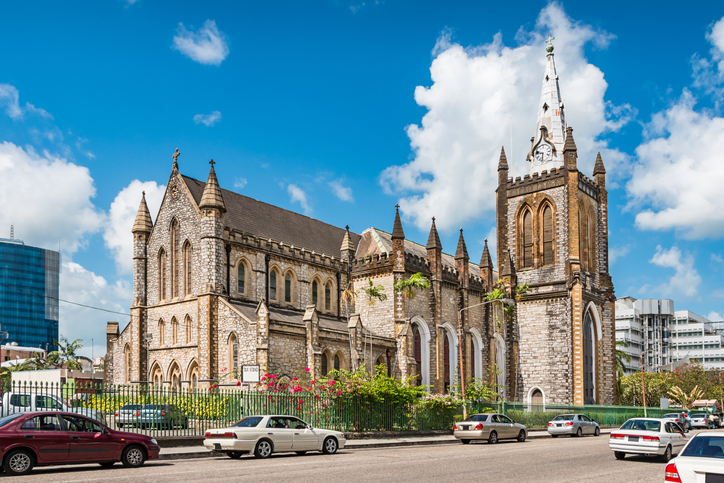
(677, 436)
(45, 434)
(586, 424)
(508, 429)
(304, 437)
(278, 430)
(88, 440)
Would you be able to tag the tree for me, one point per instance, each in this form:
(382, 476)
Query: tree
(408, 287)
(621, 356)
(684, 399)
(373, 293)
(66, 354)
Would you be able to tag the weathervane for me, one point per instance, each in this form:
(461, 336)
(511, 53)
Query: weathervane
(550, 40)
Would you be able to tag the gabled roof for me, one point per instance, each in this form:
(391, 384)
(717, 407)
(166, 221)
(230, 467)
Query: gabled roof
(268, 221)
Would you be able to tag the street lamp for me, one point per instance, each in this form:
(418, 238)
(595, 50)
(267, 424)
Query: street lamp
(643, 388)
(460, 343)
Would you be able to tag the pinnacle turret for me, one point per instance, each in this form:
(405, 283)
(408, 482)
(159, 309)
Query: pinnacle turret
(485, 260)
(397, 231)
(347, 245)
(503, 161)
(462, 250)
(433, 240)
(599, 168)
(143, 223)
(212, 197)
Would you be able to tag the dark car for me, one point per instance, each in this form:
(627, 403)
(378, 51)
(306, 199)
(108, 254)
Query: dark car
(45, 438)
(162, 416)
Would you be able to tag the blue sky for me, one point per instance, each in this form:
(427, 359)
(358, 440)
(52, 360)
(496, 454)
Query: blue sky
(340, 109)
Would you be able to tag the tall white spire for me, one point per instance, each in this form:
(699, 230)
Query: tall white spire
(547, 143)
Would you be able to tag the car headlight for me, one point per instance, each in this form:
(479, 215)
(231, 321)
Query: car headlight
(153, 440)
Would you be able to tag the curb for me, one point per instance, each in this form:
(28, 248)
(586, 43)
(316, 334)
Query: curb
(355, 444)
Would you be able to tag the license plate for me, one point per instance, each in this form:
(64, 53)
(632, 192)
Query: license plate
(558, 425)
(633, 439)
(465, 428)
(217, 446)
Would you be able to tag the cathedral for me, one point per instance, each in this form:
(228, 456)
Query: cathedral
(221, 281)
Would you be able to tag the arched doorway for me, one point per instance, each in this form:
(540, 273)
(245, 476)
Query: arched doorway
(589, 359)
(500, 363)
(421, 350)
(446, 363)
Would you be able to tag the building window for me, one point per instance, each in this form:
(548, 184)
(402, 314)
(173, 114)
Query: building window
(336, 362)
(234, 354)
(174, 259)
(273, 285)
(418, 354)
(187, 326)
(174, 331)
(187, 268)
(127, 361)
(472, 360)
(527, 237)
(161, 333)
(287, 288)
(548, 236)
(325, 364)
(327, 295)
(446, 362)
(588, 360)
(591, 237)
(314, 293)
(162, 274)
(241, 278)
(583, 235)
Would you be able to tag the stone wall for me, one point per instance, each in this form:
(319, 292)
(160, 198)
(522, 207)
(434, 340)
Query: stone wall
(287, 354)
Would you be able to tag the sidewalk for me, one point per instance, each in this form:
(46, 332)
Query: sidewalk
(367, 443)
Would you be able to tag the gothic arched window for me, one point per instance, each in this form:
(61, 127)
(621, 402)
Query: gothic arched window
(241, 278)
(314, 293)
(336, 361)
(127, 362)
(287, 288)
(446, 362)
(418, 354)
(162, 274)
(527, 237)
(174, 331)
(548, 236)
(583, 237)
(328, 296)
(174, 259)
(187, 268)
(234, 354)
(187, 326)
(588, 360)
(591, 240)
(273, 285)
(325, 364)
(161, 333)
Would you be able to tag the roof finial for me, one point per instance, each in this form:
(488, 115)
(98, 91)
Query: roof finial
(212, 163)
(550, 40)
(175, 158)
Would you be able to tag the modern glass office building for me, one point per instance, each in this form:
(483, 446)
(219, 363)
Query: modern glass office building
(29, 279)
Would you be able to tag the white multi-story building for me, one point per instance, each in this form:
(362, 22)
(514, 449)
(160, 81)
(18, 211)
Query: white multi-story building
(665, 336)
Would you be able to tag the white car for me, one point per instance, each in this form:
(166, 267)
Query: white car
(700, 420)
(16, 402)
(701, 457)
(264, 435)
(647, 436)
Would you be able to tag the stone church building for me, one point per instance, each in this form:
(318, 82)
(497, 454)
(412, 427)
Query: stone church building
(221, 280)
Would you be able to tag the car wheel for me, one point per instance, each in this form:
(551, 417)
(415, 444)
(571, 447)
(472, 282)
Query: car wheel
(120, 425)
(579, 433)
(107, 464)
(301, 453)
(667, 455)
(234, 455)
(597, 432)
(263, 449)
(619, 455)
(329, 446)
(133, 457)
(521, 436)
(493, 438)
(465, 441)
(554, 435)
(19, 462)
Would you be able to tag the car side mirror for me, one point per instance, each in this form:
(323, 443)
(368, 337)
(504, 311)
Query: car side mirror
(309, 426)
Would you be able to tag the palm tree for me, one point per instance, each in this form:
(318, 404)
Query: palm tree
(621, 356)
(66, 354)
(408, 287)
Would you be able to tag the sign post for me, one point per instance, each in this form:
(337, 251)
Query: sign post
(249, 374)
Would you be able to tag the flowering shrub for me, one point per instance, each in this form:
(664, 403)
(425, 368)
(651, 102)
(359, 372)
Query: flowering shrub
(440, 403)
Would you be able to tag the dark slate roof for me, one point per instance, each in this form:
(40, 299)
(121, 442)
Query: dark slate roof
(288, 316)
(268, 221)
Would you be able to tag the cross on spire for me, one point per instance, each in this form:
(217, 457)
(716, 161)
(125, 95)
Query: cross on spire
(175, 158)
(212, 163)
(549, 41)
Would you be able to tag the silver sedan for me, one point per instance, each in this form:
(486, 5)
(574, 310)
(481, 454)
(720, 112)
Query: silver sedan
(491, 427)
(573, 425)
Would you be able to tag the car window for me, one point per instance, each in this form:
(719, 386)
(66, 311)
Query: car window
(249, 422)
(297, 423)
(131, 407)
(505, 419)
(47, 402)
(279, 423)
(564, 417)
(42, 423)
(698, 416)
(10, 418)
(20, 400)
(477, 417)
(79, 424)
(642, 425)
(495, 419)
(705, 446)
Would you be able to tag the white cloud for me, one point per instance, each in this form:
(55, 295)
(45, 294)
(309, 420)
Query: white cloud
(715, 316)
(342, 192)
(474, 94)
(206, 46)
(716, 258)
(240, 183)
(85, 287)
(117, 230)
(614, 253)
(686, 279)
(10, 99)
(46, 198)
(208, 119)
(296, 194)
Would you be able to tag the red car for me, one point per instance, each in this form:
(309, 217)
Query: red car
(45, 438)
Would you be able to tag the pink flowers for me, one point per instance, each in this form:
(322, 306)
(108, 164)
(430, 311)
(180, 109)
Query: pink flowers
(306, 369)
(238, 383)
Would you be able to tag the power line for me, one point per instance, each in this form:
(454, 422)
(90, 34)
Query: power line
(13, 287)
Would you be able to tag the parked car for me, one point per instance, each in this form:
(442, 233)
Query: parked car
(14, 402)
(127, 415)
(678, 419)
(700, 420)
(264, 435)
(573, 425)
(491, 427)
(166, 416)
(647, 436)
(42, 438)
(720, 420)
(702, 459)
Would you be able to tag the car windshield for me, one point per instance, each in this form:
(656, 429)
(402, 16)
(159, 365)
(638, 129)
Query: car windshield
(248, 422)
(565, 417)
(671, 415)
(7, 419)
(642, 425)
(706, 446)
(477, 417)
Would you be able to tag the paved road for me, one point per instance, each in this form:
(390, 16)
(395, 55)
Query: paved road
(560, 460)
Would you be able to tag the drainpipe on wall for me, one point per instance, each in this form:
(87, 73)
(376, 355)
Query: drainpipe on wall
(267, 258)
(228, 270)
